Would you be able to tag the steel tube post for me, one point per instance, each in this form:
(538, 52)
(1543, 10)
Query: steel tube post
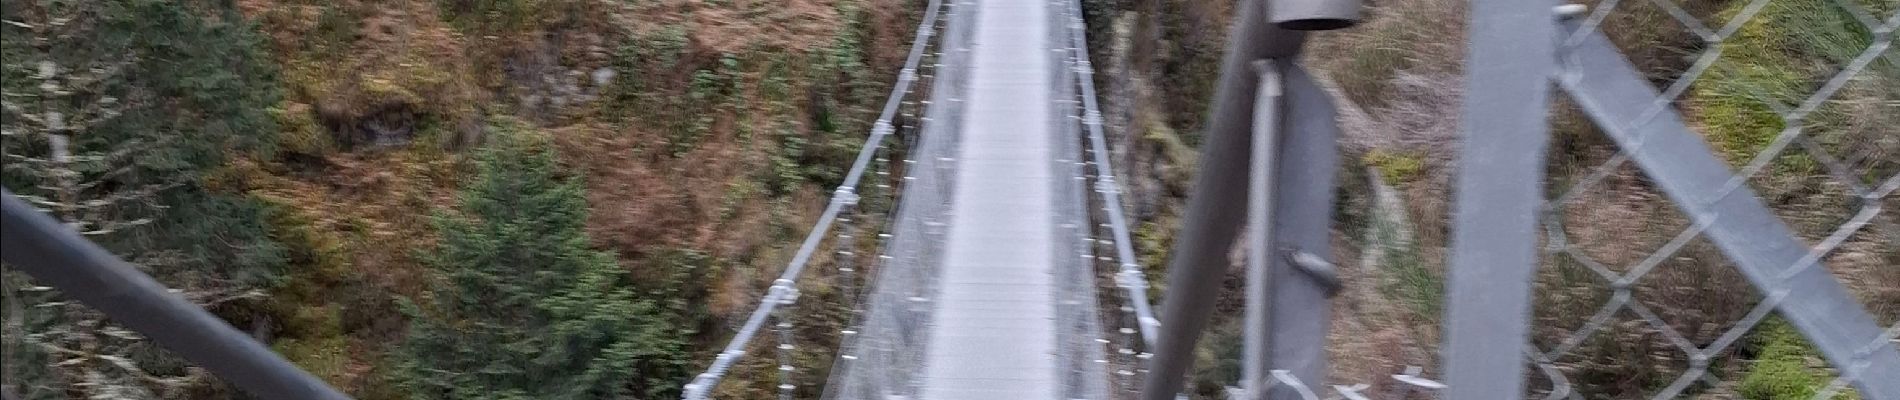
(1213, 215)
(1499, 190)
(1266, 135)
(60, 257)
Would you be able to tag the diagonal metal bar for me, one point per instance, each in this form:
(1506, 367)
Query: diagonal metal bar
(1611, 91)
(1494, 245)
(1579, 32)
(52, 253)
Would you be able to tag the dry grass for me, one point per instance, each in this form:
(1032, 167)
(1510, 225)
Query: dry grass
(428, 73)
(355, 225)
(367, 68)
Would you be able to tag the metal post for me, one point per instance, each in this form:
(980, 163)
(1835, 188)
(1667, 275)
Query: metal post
(54, 254)
(1500, 181)
(1303, 280)
(1212, 219)
(1266, 136)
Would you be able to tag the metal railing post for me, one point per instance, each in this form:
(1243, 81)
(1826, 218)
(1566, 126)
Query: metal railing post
(1499, 189)
(1216, 206)
(1266, 137)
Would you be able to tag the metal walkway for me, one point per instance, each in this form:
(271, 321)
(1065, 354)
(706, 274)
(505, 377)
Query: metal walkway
(995, 331)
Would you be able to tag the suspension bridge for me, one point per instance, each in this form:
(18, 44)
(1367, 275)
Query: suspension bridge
(986, 277)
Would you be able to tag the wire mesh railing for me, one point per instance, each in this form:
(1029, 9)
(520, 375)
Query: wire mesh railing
(783, 290)
(1123, 356)
(882, 351)
(1128, 274)
(1715, 183)
(1084, 356)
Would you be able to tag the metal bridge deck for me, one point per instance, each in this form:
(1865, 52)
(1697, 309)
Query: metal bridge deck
(994, 330)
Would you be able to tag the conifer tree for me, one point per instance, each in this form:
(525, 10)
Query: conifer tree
(522, 307)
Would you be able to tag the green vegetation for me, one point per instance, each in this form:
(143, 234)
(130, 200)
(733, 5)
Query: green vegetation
(1781, 57)
(1398, 168)
(116, 113)
(1785, 366)
(1771, 61)
(1405, 277)
(523, 308)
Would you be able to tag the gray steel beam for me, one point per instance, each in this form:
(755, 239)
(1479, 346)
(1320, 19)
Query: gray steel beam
(1295, 154)
(1499, 189)
(61, 258)
(1300, 293)
(1616, 96)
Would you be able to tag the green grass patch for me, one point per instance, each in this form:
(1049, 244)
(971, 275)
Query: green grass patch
(1405, 277)
(1785, 366)
(1779, 57)
(1396, 167)
(1154, 241)
(319, 346)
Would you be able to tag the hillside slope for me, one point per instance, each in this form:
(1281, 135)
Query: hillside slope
(706, 134)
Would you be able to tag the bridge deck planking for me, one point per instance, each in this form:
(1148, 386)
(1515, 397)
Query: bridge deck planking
(994, 331)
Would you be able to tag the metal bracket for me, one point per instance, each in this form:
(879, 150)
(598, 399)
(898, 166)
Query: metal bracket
(1323, 272)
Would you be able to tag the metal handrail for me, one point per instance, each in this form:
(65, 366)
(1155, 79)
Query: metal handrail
(58, 256)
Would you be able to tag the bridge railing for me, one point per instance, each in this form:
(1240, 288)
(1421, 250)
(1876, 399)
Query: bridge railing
(784, 290)
(882, 352)
(1081, 340)
(1103, 224)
